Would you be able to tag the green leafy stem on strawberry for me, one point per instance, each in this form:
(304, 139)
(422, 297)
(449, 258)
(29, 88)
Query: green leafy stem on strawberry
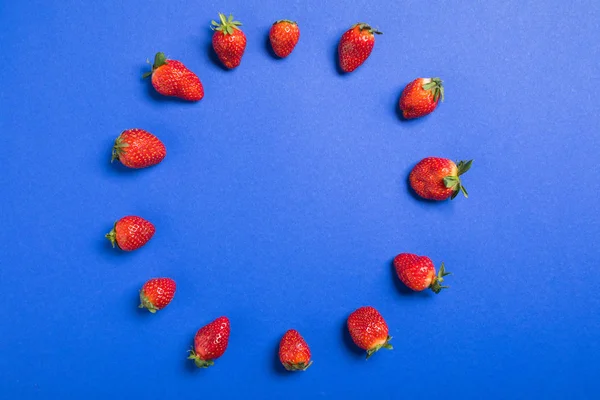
(453, 181)
(159, 60)
(436, 285)
(200, 363)
(384, 345)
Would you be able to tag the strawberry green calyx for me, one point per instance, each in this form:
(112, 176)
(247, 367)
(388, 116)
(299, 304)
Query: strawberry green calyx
(159, 60)
(146, 303)
(226, 25)
(118, 148)
(436, 87)
(453, 181)
(362, 26)
(301, 366)
(436, 285)
(200, 363)
(384, 345)
(112, 236)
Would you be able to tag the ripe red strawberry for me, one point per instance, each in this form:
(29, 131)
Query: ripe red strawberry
(418, 272)
(210, 342)
(228, 41)
(137, 148)
(436, 178)
(157, 293)
(131, 233)
(369, 330)
(172, 78)
(356, 46)
(284, 36)
(294, 353)
(421, 97)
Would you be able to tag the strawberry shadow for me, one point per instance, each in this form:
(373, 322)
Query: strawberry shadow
(356, 351)
(214, 58)
(269, 48)
(336, 58)
(187, 364)
(278, 368)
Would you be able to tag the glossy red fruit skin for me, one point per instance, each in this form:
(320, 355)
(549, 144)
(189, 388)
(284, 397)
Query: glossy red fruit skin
(172, 78)
(137, 148)
(229, 42)
(131, 232)
(416, 102)
(355, 46)
(284, 36)
(294, 353)
(427, 178)
(416, 272)
(368, 330)
(157, 293)
(210, 342)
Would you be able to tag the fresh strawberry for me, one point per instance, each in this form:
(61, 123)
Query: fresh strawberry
(228, 41)
(418, 272)
(210, 342)
(294, 353)
(421, 97)
(131, 233)
(369, 330)
(356, 46)
(284, 36)
(172, 78)
(137, 148)
(436, 178)
(157, 293)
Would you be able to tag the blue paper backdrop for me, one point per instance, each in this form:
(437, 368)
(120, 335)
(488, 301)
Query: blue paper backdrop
(283, 199)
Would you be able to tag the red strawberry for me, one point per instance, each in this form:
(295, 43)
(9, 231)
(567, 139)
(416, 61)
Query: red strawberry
(131, 233)
(436, 178)
(137, 148)
(228, 41)
(284, 36)
(356, 46)
(369, 330)
(418, 272)
(421, 97)
(210, 342)
(157, 293)
(172, 78)
(294, 353)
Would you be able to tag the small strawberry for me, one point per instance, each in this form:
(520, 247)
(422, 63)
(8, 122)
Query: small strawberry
(228, 41)
(210, 342)
(284, 36)
(157, 293)
(421, 97)
(131, 233)
(172, 78)
(294, 353)
(436, 178)
(356, 46)
(418, 272)
(369, 330)
(137, 148)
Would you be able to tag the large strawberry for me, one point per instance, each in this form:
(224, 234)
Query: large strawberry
(369, 330)
(418, 272)
(436, 178)
(294, 353)
(137, 148)
(172, 78)
(210, 342)
(284, 36)
(131, 233)
(157, 293)
(421, 97)
(228, 41)
(356, 46)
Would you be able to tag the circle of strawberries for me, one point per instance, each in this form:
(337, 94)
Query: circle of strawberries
(433, 178)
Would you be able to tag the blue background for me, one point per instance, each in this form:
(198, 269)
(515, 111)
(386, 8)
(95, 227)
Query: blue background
(283, 199)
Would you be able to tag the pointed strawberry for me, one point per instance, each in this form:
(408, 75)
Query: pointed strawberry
(435, 178)
(418, 272)
(172, 78)
(356, 46)
(137, 148)
(210, 342)
(131, 233)
(157, 293)
(284, 36)
(294, 353)
(421, 97)
(229, 42)
(369, 330)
